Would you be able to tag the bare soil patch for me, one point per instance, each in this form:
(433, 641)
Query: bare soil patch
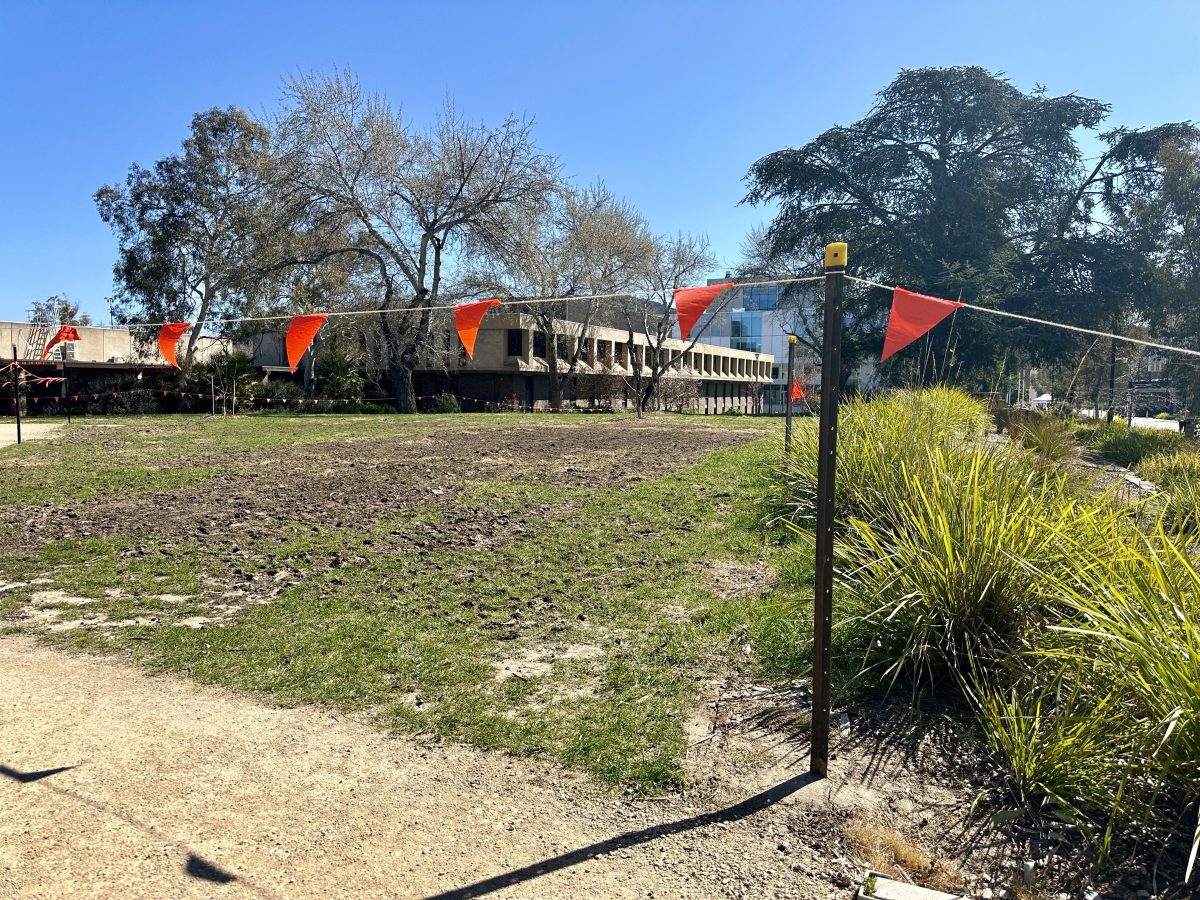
(355, 483)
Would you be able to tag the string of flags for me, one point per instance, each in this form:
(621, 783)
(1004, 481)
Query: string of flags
(913, 315)
(690, 305)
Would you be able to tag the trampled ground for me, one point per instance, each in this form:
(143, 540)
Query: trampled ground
(588, 594)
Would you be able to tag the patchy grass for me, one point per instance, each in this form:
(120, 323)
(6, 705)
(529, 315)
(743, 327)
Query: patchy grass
(583, 637)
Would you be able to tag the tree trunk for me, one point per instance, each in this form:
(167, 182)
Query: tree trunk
(554, 379)
(401, 363)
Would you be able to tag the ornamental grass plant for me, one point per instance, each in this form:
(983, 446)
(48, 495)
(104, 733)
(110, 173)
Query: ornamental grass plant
(988, 575)
(1177, 476)
(1049, 436)
(1125, 446)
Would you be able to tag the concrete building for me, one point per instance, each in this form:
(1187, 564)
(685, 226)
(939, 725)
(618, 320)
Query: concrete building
(758, 320)
(510, 366)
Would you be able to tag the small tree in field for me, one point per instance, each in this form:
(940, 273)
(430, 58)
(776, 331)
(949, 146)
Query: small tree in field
(681, 261)
(409, 201)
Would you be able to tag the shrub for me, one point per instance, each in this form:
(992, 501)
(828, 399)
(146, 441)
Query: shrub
(1133, 629)
(1127, 446)
(1177, 476)
(1048, 436)
(939, 572)
(1054, 745)
(876, 438)
(444, 403)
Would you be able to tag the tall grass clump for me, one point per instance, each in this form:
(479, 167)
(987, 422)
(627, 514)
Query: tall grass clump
(1050, 437)
(1132, 629)
(1125, 446)
(938, 576)
(1177, 476)
(986, 574)
(874, 438)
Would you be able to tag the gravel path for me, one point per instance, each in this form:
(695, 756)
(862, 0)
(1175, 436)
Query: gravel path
(115, 783)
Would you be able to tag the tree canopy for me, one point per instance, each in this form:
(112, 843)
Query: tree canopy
(957, 183)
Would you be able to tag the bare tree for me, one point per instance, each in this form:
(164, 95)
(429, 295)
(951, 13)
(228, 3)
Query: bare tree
(587, 242)
(680, 261)
(409, 201)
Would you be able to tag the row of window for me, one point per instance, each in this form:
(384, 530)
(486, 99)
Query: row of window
(618, 353)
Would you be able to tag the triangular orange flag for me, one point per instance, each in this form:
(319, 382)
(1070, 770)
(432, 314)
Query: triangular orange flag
(797, 391)
(65, 333)
(912, 315)
(300, 334)
(168, 337)
(467, 317)
(690, 304)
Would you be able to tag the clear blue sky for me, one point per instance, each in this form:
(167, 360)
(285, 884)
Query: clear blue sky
(668, 102)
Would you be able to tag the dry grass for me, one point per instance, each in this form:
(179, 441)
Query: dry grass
(887, 851)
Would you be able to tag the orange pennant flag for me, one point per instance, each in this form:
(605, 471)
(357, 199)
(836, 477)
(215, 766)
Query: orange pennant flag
(912, 316)
(300, 334)
(797, 391)
(168, 337)
(467, 317)
(690, 304)
(65, 333)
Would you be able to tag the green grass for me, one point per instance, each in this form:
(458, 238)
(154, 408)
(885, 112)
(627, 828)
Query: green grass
(1125, 446)
(1048, 436)
(419, 639)
(1177, 476)
(1064, 624)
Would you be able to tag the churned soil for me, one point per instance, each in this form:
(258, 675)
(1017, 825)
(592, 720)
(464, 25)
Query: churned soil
(354, 483)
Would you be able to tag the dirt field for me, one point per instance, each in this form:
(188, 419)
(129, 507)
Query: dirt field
(582, 601)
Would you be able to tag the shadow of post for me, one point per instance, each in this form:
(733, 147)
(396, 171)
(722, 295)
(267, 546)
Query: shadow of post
(26, 777)
(741, 810)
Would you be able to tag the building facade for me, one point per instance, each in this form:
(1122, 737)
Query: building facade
(759, 319)
(511, 364)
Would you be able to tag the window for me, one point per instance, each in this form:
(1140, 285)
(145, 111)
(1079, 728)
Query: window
(539, 345)
(774, 373)
(516, 342)
(745, 330)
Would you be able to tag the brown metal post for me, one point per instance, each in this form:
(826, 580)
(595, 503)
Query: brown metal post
(787, 394)
(16, 377)
(831, 373)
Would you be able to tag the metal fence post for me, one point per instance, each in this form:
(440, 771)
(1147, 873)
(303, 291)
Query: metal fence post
(831, 372)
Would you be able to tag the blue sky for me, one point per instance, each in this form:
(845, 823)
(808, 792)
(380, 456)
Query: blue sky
(668, 102)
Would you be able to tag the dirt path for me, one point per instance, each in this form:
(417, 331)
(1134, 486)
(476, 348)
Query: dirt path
(120, 784)
(30, 431)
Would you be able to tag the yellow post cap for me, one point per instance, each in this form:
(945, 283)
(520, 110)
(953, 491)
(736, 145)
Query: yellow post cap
(791, 339)
(835, 254)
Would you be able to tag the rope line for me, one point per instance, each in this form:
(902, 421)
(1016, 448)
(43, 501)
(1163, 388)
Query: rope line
(1036, 321)
(449, 306)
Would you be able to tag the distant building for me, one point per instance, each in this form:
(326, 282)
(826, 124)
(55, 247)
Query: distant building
(758, 320)
(509, 368)
(510, 365)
